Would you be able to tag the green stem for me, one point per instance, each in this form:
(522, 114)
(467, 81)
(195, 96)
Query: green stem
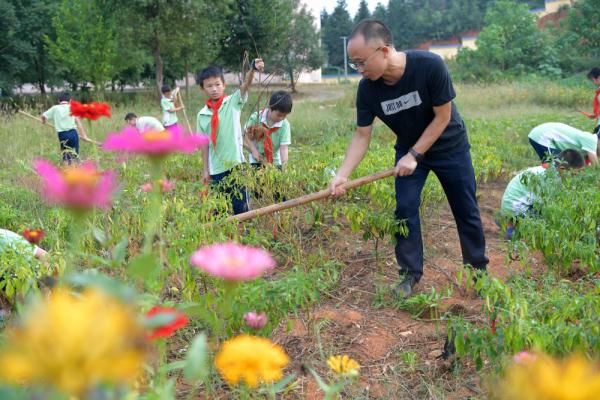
(231, 288)
(76, 232)
(162, 360)
(153, 217)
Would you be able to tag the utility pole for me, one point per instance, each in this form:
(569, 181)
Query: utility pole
(344, 38)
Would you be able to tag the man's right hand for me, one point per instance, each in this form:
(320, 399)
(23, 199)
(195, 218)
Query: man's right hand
(335, 187)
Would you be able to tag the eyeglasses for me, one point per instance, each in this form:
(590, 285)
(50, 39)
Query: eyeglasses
(355, 65)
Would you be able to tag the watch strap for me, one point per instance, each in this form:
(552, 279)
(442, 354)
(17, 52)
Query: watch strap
(418, 156)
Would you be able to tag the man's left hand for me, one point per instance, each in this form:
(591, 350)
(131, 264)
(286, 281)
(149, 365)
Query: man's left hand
(406, 165)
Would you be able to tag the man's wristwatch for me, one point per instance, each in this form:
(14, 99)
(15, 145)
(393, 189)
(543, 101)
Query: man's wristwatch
(418, 156)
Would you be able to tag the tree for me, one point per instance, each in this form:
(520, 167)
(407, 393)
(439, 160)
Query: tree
(363, 12)
(338, 24)
(510, 42)
(582, 27)
(10, 47)
(173, 30)
(301, 48)
(259, 27)
(401, 18)
(380, 12)
(33, 17)
(85, 45)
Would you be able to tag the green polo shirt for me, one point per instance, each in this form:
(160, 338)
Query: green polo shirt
(282, 136)
(518, 197)
(60, 116)
(168, 118)
(14, 241)
(559, 136)
(230, 148)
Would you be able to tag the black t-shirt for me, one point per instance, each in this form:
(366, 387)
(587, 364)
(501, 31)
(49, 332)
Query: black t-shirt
(407, 106)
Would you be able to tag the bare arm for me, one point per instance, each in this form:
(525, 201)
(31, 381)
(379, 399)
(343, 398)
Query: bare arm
(593, 157)
(356, 151)
(249, 144)
(283, 154)
(206, 170)
(260, 66)
(407, 164)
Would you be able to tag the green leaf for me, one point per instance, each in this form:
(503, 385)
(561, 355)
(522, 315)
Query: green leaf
(324, 387)
(120, 251)
(159, 320)
(196, 361)
(99, 235)
(145, 267)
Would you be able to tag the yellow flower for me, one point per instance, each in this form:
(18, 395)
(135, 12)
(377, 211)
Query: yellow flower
(547, 379)
(73, 342)
(343, 365)
(251, 359)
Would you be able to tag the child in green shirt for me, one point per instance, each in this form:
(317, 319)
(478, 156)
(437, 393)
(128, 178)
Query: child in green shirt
(519, 197)
(66, 127)
(220, 118)
(272, 147)
(554, 137)
(168, 107)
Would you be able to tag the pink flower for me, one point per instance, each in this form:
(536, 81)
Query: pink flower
(232, 261)
(80, 186)
(165, 186)
(154, 144)
(255, 320)
(524, 357)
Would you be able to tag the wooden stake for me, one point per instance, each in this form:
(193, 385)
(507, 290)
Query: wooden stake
(52, 126)
(184, 113)
(323, 194)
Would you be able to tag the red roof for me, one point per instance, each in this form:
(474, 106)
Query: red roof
(552, 19)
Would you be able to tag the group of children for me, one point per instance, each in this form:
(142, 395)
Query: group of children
(558, 145)
(266, 135)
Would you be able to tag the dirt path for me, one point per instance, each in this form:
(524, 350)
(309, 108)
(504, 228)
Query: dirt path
(385, 340)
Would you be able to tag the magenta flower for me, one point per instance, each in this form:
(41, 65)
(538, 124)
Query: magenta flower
(255, 320)
(165, 186)
(79, 187)
(232, 261)
(154, 144)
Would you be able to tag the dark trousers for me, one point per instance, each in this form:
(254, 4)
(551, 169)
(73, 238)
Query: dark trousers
(69, 145)
(455, 173)
(543, 152)
(235, 191)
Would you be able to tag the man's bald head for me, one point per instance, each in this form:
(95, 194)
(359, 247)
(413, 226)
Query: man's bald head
(373, 30)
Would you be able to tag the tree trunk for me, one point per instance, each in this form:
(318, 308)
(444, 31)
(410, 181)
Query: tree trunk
(186, 68)
(158, 62)
(41, 78)
(292, 82)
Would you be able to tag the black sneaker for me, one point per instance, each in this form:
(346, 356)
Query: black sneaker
(404, 289)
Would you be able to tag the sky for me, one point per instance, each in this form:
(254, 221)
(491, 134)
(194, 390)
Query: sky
(329, 5)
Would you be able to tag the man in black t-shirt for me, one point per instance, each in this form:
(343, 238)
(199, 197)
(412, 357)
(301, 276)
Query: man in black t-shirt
(412, 93)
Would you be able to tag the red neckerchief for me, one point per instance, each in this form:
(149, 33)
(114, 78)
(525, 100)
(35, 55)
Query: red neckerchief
(545, 165)
(596, 103)
(214, 119)
(269, 142)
